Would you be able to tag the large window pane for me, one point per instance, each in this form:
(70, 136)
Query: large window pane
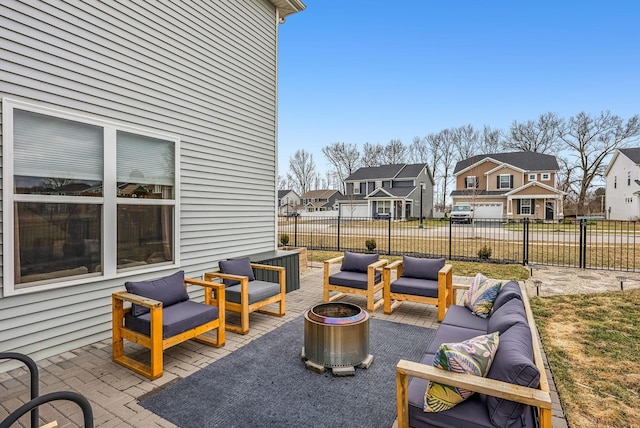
(56, 240)
(144, 235)
(145, 167)
(56, 156)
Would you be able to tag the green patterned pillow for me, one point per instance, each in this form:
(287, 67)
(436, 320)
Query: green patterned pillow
(481, 295)
(473, 356)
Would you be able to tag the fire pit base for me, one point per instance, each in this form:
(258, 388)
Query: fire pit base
(336, 371)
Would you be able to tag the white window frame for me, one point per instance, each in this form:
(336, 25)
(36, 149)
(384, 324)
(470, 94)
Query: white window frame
(522, 206)
(109, 201)
(508, 176)
(533, 177)
(545, 176)
(356, 188)
(470, 179)
(383, 207)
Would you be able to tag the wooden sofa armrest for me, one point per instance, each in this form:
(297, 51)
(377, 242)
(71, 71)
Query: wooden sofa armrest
(207, 284)
(136, 299)
(521, 394)
(394, 265)
(457, 287)
(217, 274)
(379, 264)
(333, 260)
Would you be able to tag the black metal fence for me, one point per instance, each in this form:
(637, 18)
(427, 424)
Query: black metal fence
(589, 244)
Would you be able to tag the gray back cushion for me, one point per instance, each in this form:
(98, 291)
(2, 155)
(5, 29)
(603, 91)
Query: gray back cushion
(507, 315)
(240, 267)
(168, 290)
(510, 290)
(414, 267)
(353, 262)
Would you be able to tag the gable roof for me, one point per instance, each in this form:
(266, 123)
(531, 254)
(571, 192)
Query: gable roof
(632, 153)
(527, 161)
(287, 7)
(319, 194)
(399, 170)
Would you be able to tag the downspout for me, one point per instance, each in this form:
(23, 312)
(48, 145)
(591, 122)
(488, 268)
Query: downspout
(275, 131)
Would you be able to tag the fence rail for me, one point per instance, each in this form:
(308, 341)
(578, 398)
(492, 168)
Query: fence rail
(589, 244)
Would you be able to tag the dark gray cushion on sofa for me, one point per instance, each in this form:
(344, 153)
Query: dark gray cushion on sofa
(240, 267)
(513, 363)
(169, 290)
(258, 291)
(470, 413)
(176, 318)
(352, 279)
(415, 267)
(415, 287)
(510, 290)
(509, 314)
(353, 262)
(450, 334)
(461, 316)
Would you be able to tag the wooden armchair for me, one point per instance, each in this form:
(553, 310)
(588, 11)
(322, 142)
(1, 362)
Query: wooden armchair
(419, 280)
(161, 316)
(244, 294)
(359, 274)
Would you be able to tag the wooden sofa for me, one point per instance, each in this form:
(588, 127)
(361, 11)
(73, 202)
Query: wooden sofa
(518, 358)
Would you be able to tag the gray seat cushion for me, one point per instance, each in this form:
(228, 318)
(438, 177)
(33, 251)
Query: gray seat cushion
(258, 291)
(461, 316)
(450, 334)
(352, 279)
(176, 318)
(415, 286)
(168, 290)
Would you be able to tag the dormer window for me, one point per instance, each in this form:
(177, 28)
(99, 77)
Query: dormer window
(545, 176)
(532, 177)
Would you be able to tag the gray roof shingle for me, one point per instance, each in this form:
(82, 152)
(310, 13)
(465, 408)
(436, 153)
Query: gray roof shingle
(528, 161)
(387, 172)
(632, 153)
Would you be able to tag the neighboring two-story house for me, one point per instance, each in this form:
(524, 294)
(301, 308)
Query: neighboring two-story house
(622, 193)
(509, 185)
(288, 202)
(389, 190)
(320, 200)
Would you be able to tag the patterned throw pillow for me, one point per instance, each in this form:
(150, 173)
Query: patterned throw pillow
(473, 356)
(481, 295)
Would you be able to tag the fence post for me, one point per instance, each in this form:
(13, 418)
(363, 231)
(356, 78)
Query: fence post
(338, 231)
(295, 231)
(583, 244)
(450, 239)
(525, 242)
(389, 243)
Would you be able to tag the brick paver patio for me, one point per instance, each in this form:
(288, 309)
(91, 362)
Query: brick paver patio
(114, 391)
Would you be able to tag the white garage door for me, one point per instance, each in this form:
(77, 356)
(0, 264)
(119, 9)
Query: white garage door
(488, 210)
(354, 210)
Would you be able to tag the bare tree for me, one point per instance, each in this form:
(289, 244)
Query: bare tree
(447, 159)
(419, 151)
(465, 139)
(395, 152)
(302, 171)
(433, 143)
(541, 135)
(344, 158)
(489, 141)
(371, 154)
(592, 140)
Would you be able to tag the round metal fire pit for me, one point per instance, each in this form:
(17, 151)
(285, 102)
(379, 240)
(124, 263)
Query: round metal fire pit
(336, 335)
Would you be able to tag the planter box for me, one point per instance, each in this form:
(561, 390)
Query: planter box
(302, 251)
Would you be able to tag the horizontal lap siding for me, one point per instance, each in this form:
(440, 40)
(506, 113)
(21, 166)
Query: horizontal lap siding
(203, 71)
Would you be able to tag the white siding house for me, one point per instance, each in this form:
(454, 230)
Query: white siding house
(138, 139)
(622, 193)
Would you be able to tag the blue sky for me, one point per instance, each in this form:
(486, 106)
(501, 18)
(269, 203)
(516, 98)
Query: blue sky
(359, 71)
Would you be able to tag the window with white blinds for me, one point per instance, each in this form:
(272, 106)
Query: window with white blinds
(85, 199)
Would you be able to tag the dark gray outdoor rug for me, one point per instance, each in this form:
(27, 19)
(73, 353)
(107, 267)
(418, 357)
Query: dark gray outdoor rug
(266, 384)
